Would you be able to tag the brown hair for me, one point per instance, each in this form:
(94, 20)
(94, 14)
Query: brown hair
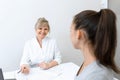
(101, 31)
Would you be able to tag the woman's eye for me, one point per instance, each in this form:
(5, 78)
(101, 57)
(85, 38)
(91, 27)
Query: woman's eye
(45, 29)
(40, 28)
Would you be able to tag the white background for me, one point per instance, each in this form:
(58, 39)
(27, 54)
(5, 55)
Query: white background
(114, 5)
(17, 20)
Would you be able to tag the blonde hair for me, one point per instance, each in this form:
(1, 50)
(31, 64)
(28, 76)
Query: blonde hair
(40, 22)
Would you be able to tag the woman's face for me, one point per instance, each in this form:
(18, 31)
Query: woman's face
(73, 34)
(42, 31)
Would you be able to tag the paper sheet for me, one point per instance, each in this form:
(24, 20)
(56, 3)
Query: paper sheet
(65, 71)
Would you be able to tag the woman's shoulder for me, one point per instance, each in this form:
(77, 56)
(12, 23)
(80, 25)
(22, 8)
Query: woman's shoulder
(101, 72)
(100, 76)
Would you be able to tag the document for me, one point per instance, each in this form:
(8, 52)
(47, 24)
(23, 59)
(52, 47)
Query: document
(64, 71)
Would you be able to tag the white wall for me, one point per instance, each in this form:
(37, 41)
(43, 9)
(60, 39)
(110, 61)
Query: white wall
(114, 5)
(17, 19)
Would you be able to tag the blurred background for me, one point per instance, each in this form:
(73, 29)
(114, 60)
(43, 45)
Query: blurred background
(18, 18)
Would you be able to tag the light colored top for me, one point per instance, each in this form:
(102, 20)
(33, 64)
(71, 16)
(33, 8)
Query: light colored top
(34, 54)
(95, 71)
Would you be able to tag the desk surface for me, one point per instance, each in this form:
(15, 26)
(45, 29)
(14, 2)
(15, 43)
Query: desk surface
(65, 71)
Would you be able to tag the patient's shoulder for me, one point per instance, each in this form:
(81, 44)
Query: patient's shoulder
(101, 74)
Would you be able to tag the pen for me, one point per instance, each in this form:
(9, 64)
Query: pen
(19, 71)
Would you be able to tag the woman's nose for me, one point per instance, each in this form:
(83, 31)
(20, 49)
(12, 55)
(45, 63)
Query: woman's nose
(43, 31)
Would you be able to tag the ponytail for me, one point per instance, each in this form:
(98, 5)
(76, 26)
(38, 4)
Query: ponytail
(106, 39)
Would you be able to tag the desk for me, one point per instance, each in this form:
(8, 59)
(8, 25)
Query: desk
(64, 71)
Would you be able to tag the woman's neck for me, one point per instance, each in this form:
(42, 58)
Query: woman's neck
(39, 41)
(89, 56)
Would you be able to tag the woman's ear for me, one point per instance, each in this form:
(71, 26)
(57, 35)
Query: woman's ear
(79, 34)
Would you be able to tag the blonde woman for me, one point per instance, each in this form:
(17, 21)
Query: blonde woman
(41, 50)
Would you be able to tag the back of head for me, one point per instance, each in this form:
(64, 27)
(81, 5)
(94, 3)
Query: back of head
(101, 31)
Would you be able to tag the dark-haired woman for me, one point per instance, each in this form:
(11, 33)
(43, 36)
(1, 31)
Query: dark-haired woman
(94, 33)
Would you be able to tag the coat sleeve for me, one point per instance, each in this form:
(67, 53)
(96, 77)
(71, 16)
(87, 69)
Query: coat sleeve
(57, 55)
(26, 56)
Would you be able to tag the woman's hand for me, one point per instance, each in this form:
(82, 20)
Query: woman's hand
(25, 69)
(44, 65)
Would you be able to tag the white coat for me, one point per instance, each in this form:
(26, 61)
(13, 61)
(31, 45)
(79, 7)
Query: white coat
(34, 54)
